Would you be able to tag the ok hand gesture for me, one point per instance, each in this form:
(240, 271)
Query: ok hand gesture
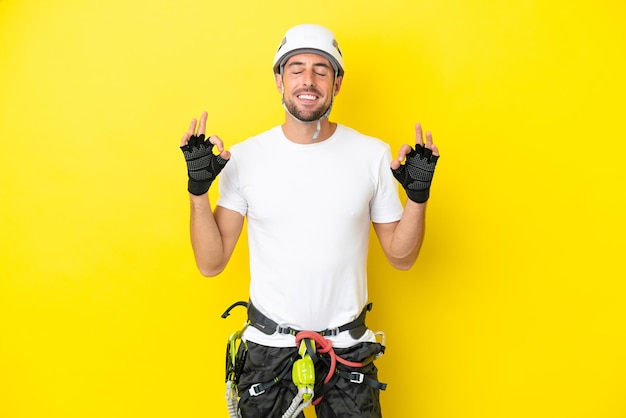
(203, 165)
(416, 174)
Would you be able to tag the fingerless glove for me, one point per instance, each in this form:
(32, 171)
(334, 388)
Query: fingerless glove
(416, 174)
(202, 165)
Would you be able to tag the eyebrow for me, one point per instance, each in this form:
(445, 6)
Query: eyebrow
(317, 64)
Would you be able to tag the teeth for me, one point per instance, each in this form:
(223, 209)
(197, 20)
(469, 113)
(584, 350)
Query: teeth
(307, 97)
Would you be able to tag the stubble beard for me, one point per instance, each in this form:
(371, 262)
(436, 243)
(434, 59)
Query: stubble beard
(305, 115)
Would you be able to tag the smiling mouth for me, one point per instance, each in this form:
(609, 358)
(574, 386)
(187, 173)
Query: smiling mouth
(307, 97)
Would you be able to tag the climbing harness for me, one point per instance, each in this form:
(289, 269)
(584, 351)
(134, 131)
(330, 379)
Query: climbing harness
(264, 324)
(313, 347)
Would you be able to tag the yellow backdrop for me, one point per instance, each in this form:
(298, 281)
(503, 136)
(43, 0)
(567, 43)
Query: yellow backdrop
(516, 306)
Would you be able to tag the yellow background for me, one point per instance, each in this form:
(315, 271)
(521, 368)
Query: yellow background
(516, 305)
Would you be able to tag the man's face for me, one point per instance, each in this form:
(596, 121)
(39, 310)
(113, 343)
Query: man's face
(307, 86)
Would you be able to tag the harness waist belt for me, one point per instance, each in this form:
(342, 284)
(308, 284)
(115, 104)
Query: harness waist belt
(264, 324)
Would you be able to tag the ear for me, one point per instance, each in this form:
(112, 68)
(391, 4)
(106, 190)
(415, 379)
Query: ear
(338, 82)
(279, 83)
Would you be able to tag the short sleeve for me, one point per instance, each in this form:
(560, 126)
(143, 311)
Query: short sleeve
(386, 207)
(230, 196)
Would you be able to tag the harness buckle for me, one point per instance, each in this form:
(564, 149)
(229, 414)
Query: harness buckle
(255, 391)
(282, 329)
(356, 377)
(333, 332)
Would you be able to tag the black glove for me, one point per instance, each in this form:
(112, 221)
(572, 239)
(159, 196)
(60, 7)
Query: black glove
(202, 165)
(416, 174)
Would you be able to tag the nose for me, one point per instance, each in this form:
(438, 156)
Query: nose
(308, 79)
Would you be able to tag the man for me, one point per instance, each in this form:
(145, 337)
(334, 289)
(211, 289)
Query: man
(310, 189)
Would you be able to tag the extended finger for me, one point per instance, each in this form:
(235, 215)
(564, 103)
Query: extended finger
(192, 127)
(429, 140)
(202, 127)
(435, 150)
(418, 135)
(185, 140)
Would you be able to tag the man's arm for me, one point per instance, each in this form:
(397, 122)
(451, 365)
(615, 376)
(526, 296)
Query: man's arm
(401, 241)
(213, 234)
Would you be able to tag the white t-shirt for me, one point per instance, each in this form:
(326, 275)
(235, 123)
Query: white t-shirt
(309, 209)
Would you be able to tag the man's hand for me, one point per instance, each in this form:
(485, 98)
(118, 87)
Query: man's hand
(202, 165)
(416, 174)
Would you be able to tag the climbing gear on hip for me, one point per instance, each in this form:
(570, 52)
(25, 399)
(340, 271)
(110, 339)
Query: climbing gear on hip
(236, 350)
(314, 351)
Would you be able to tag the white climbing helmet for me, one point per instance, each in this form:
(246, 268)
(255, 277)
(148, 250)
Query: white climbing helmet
(309, 38)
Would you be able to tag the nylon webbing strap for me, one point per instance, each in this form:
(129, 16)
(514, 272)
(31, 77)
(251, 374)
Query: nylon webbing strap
(264, 324)
(360, 378)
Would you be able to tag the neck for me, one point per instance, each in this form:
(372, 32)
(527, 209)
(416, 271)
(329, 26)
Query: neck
(302, 133)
